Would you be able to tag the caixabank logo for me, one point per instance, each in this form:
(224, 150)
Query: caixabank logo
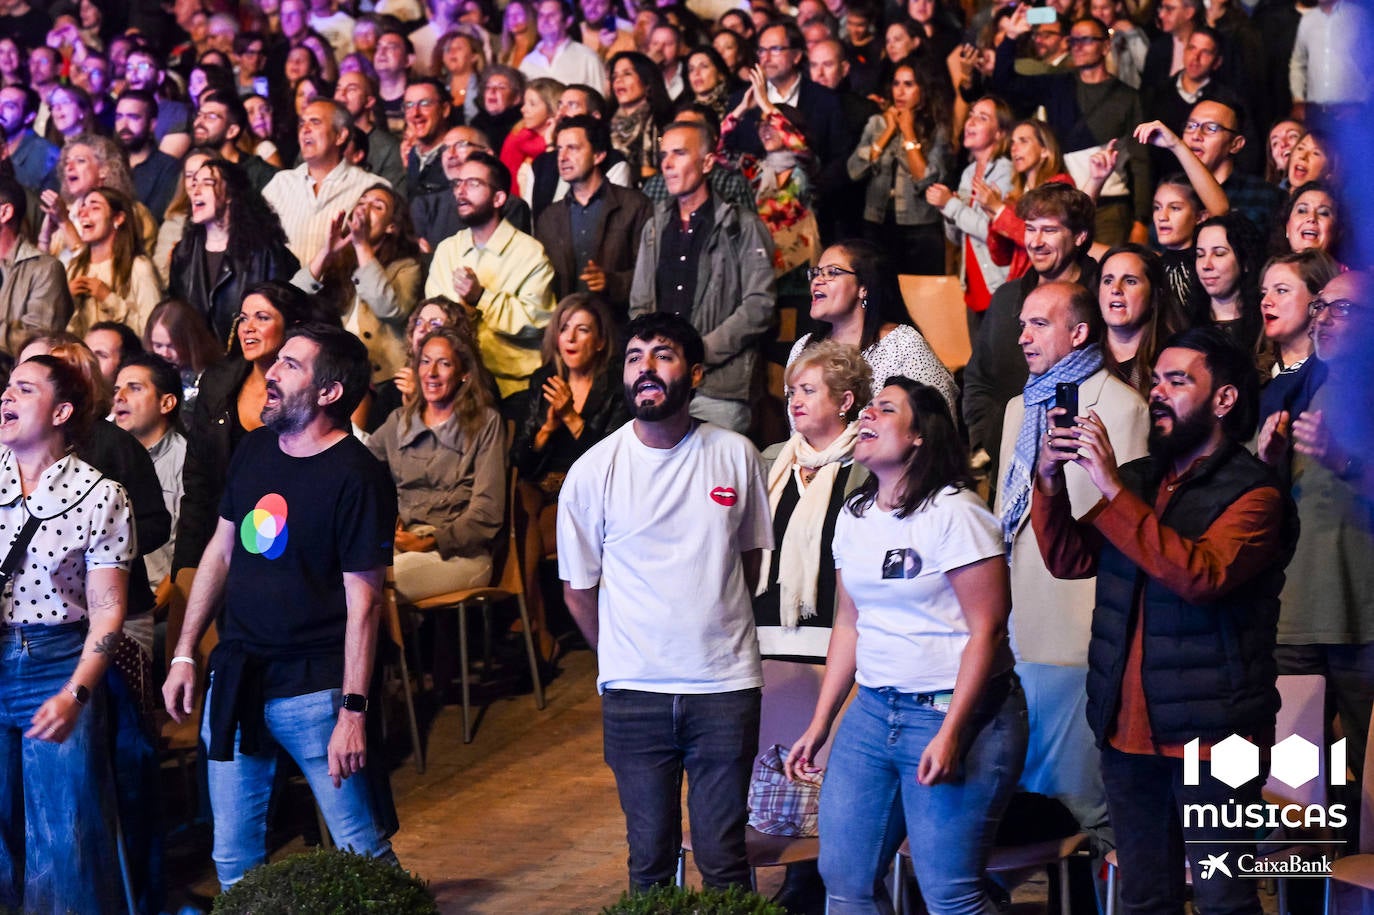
(1302, 814)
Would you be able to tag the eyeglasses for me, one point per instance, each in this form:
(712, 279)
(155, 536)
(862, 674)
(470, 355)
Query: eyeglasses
(464, 144)
(773, 49)
(423, 104)
(830, 272)
(1340, 308)
(1077, 41)
(141, 67)
(1211, 128)
(468, 184)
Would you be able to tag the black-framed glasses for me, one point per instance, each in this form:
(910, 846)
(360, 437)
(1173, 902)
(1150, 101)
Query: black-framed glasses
(1076, 41)
(1340, 308)
(1211, 128)
(829, 271)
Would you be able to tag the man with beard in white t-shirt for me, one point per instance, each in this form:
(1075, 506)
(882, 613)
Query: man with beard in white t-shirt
(660, 528)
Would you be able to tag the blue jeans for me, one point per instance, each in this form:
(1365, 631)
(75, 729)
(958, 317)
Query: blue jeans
(1145, 795)
(240, 790)
(57, 850)
(650, 740)
(870, 789)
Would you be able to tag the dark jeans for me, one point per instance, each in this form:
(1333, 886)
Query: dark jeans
(918, 249)
(651, 739)
(1145, 796)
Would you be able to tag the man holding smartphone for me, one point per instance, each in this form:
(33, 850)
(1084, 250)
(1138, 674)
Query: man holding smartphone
(1061, 329)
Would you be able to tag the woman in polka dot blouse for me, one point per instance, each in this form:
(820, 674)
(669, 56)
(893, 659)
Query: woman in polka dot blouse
(60, 615)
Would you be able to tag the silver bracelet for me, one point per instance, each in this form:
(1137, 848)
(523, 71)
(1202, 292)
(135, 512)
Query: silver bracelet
(182, 659)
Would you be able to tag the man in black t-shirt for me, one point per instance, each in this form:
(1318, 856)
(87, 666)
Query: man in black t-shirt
(298, 558)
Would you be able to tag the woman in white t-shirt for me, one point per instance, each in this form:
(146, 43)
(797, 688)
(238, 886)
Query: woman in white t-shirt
(939, 724)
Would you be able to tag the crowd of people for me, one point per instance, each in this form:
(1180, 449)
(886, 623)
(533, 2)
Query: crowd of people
(292, 290)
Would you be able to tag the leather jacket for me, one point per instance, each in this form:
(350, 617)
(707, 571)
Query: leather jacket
(218, 299)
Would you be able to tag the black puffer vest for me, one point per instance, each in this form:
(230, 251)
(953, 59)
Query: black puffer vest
(1207, 669)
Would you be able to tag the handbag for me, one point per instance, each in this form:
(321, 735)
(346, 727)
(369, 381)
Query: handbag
(779, 806)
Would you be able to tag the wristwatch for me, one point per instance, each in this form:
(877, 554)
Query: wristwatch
(354, 702)
(81, 694)
(909, 145)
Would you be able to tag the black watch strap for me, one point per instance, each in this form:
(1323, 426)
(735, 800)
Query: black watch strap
(354, 702)
(81, 694)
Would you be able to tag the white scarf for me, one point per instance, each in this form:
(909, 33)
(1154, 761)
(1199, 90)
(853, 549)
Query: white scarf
(799, 554)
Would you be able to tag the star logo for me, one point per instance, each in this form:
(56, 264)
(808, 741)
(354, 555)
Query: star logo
(1215, 864)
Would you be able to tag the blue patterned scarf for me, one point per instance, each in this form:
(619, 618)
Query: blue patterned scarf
(1038, 398)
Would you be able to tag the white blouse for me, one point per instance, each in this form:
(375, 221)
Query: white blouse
(87, 524)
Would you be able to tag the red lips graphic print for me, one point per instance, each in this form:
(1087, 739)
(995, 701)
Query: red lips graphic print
(723, 495)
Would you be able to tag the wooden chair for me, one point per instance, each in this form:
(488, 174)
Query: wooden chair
(1357, 870)
(790, 691)
(936, 304)
(510, 585)
(391, 626)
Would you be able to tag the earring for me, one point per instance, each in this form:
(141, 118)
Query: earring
(863, 301)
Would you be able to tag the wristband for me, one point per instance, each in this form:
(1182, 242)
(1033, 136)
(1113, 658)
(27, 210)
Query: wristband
(182, 659)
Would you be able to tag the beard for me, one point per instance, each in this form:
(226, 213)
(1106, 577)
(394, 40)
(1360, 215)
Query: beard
(675, 396)
(1188, 434)
(288, 415)
(479, 214)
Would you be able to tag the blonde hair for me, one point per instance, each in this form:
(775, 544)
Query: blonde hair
(843, 370)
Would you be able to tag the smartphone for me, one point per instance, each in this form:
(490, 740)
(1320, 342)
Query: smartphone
(1041, 15)
(260, 86)
(1066, 398)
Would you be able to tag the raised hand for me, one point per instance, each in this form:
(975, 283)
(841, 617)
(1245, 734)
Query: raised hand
(1155, 133)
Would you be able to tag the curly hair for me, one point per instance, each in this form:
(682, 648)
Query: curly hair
(253, 224)
(109, 158)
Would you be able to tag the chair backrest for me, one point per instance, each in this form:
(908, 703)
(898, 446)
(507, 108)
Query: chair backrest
(790, 691)
(936, 304)
(1302, 701)
(506, 553)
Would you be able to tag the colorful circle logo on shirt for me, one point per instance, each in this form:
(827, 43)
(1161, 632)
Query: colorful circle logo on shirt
(263, 530)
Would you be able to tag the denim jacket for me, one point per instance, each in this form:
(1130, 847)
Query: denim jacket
(909, 198)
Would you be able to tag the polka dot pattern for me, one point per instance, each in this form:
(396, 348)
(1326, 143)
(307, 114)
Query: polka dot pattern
(76, 534)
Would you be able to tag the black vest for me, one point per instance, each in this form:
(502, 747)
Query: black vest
(1208, 668)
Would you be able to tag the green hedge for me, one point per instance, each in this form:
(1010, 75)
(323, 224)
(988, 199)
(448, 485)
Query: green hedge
(672, 900)
(327, 883)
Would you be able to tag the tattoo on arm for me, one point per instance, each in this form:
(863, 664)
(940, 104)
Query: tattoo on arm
(99, 603)
(107, 643)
